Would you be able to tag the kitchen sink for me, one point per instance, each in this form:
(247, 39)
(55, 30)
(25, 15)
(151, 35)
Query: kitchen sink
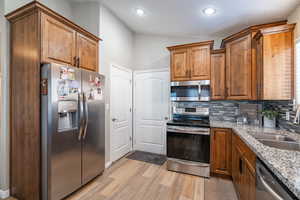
(286, 145)
(278, 141)
(273, 137)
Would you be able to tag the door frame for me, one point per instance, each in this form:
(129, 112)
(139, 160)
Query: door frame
(135, 73)
(118, 67)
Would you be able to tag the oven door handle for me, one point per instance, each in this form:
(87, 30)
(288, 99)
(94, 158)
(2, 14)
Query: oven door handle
(198, 132)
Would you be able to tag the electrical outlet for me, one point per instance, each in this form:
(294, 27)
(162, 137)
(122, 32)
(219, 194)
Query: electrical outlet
(287, 116)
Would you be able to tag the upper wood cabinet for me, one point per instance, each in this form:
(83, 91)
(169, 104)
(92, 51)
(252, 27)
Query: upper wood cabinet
(58, 41)
(63, 44)
(180, 65)
(221, 151)
(200, 62)
(87, 52)
(239, 69)
(217, 69)
(274, 59)
(191, 62)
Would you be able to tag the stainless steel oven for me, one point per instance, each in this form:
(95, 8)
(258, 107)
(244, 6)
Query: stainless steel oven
(188, 149)
(190, 91)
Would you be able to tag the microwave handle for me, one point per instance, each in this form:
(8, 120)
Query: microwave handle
(199, 90)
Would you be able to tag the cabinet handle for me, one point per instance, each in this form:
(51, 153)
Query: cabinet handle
(78, 62)
(75, 61)
(241, 166)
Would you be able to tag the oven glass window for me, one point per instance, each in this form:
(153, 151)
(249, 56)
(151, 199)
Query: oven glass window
(192, 147)
(184, 91)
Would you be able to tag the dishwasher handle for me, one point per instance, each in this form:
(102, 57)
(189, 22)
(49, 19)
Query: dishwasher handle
(267, 186)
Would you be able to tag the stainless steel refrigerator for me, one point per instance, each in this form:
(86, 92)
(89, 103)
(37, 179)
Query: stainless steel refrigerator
(73, 129)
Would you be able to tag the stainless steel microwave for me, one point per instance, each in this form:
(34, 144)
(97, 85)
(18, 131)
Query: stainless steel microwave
(190, 91)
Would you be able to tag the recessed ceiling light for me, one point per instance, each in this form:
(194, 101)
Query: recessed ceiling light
(140, 12)
(209, 11)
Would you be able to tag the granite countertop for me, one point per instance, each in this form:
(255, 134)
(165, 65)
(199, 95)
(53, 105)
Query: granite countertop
(283, 163)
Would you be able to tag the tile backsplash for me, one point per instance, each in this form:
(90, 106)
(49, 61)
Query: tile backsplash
(229, 111)
(283, 107)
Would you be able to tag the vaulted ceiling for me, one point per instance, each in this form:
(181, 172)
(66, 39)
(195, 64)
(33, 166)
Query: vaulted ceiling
(185, 17)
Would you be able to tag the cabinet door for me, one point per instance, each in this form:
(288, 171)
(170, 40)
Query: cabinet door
(252, 187)
(180, 65)
(87, 52)
(237, 164)
(218, 76)
(247, 184)
(278, 57)
(200, 62)
(238, 68)
(58, 41)
(221, 151)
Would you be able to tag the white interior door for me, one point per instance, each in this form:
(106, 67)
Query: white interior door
(121, 115)
(151, 110)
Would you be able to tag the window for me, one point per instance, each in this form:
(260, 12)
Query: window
(297, 71)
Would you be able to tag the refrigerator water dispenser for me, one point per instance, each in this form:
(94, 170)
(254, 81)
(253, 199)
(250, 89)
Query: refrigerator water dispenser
(68, 115)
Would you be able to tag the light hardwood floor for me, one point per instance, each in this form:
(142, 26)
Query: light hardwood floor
(135, 180)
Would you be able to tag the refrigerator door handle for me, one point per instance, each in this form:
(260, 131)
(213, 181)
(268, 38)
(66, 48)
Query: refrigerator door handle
(86, 115)
(81, 117)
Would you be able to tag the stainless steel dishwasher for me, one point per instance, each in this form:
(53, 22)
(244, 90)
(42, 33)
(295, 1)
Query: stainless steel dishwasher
(268, 187)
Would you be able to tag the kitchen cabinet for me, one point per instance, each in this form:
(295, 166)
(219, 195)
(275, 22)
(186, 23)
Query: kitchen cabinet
(241, 69)
(243, 169)
(238, 69)
(200, 62)
(87, 52)
(274, 60)
(218, 74)
(63, 44)
(37, 35)
(221, 151)
(58, 41)
(191, 62)
(179, 65)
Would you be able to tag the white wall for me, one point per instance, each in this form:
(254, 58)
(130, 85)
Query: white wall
(62, 7)
(11, 5)
(87, 15)
(4, 132)
(116, 48)
(150, 51)
(294, 17)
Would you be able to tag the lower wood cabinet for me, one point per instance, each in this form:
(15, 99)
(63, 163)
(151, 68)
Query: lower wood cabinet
(221, 151)
(243, 169)
(232, 158)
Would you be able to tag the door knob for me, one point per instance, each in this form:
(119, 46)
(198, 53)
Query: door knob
(166, 118)
(114, 119)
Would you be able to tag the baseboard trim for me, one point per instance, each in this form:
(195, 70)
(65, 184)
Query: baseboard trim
(108, 164)
(4, 194)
